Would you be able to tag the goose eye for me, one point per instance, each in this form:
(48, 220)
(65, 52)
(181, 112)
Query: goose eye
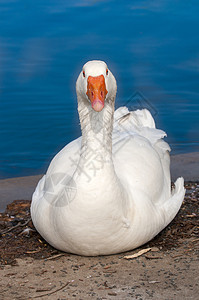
(84, 74)
(106, 71)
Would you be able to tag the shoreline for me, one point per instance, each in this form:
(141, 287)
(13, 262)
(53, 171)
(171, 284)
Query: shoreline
(22, 188)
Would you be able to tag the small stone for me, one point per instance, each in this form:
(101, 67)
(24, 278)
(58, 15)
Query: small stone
(155, 249)
(112, 294)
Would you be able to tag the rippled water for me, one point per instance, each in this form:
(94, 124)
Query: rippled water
(150, 46)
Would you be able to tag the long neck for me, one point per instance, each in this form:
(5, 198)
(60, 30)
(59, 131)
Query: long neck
(96, 149)
(95, 176)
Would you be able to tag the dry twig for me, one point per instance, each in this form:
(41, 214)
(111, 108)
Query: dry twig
(55, 256)
(18, 225)
(50, 293)
(141, 252)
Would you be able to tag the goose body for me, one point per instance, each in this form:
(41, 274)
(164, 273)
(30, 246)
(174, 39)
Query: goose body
(108, 191)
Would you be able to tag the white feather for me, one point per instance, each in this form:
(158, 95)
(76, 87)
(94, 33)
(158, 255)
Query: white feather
(108, 191)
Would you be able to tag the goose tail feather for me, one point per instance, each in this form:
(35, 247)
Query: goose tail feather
(173, 204)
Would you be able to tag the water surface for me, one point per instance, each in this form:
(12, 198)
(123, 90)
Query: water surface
(150, 46)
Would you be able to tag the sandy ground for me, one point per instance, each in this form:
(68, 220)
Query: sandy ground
(162, 273)
(172, 274)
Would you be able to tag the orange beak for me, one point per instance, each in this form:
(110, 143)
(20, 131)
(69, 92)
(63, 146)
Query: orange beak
(96, 92)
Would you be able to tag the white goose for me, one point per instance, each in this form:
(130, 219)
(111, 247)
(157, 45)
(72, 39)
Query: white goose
(110, 190)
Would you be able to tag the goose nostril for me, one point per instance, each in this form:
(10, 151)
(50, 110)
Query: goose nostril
(101, 94)
(92, 94)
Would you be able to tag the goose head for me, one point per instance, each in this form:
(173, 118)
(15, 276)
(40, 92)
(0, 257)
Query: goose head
(96, 85)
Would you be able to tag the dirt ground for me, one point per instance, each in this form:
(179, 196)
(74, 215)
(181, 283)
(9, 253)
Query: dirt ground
(30, 268)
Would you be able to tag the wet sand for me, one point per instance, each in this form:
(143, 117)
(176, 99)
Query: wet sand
(185, 165)
(18, 188)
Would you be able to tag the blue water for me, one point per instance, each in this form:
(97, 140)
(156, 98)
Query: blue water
(152, 47)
